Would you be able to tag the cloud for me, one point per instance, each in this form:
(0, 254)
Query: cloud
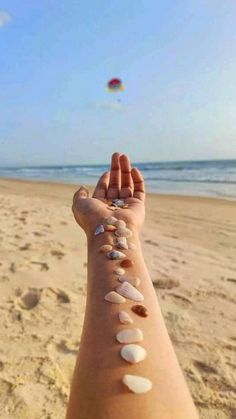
(4, 18)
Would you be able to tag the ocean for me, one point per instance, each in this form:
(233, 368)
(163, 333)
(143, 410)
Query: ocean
(215, 178)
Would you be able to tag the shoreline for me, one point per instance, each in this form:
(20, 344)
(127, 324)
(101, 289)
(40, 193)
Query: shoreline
(5, 181)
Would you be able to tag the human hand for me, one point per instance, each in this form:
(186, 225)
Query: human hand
(122, 181)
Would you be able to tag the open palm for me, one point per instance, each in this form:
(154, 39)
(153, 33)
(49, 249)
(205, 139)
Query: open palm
(122, 181)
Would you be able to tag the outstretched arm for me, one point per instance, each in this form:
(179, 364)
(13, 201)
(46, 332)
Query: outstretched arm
(100, 387)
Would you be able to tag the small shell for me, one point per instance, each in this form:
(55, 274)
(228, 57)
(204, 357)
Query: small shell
(140, 310)
(137, 384)
(111, 220)
(110, 227)
(133, 353)
(127, 290)
(133, 280)
(115, 254)
(132, 246)
(121, 243)
(120, 224)
(119, 271)
(124, 317)
(105, 248)
(119, 202)
(114, 298)
(127, 263)
(129, 335)
(99, 230)
(123, 232)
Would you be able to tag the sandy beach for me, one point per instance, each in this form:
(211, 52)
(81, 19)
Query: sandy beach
(189, 245)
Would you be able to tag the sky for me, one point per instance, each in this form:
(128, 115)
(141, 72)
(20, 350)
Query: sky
(177, 60)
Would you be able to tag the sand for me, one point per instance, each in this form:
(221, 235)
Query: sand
(190, 246)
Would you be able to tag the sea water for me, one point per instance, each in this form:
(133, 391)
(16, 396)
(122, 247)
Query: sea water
(205, 178)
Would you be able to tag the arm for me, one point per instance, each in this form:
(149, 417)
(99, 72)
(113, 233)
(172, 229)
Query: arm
(97, 389)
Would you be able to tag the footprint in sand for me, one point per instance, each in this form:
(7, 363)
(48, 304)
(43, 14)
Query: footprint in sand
(182, 298)
(57, 253)
(165, 283)
(43, 265)
(12, 267)
(29, 299)
(25, 247)
(64, 347)
(231, 280)
(60, 295)
(151, 242)
(204, 368)
(38, 234)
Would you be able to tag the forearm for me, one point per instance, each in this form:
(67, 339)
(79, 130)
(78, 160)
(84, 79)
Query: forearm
(98, 391)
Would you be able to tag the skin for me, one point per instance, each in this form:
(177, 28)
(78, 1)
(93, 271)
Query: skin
(97, 390)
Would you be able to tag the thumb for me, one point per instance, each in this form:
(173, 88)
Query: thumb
(82, 193)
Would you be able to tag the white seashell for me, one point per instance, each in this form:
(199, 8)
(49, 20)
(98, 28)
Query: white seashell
(115, 254)
(123, 232)
(120, 224)
(129, 335)
(132, 246)
(133, 353)
(121, 243)
(100, 229)
(128, 291)
(111, 220)
(125, 317)
(133, 281)
(137, 384)
(114, 298)
(119, 271)
(118, 202)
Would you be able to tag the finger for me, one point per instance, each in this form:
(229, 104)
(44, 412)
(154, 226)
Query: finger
(100, 192)
(82, 193)
(114, 183)
(126, 178)
(139, 188)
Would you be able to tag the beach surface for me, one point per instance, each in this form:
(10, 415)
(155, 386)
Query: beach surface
(189, 245)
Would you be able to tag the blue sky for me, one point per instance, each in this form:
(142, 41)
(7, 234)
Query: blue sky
(177, 60)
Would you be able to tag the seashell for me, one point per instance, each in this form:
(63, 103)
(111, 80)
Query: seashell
(127, 263)
(129, 335)
(137, 384)
(105, 248)
(124, 317)
(140, 310)
(119, 271)
(123, 232)
(114, 298)
(128, 291)
(119, 202)
(111, 220)
(120, 224)
(121, 243)
(132, 246)
(133, 353)
(100, 229)
(115, 254)
(133, 280)
(110, 227)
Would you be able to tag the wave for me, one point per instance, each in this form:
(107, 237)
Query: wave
(228, 182)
